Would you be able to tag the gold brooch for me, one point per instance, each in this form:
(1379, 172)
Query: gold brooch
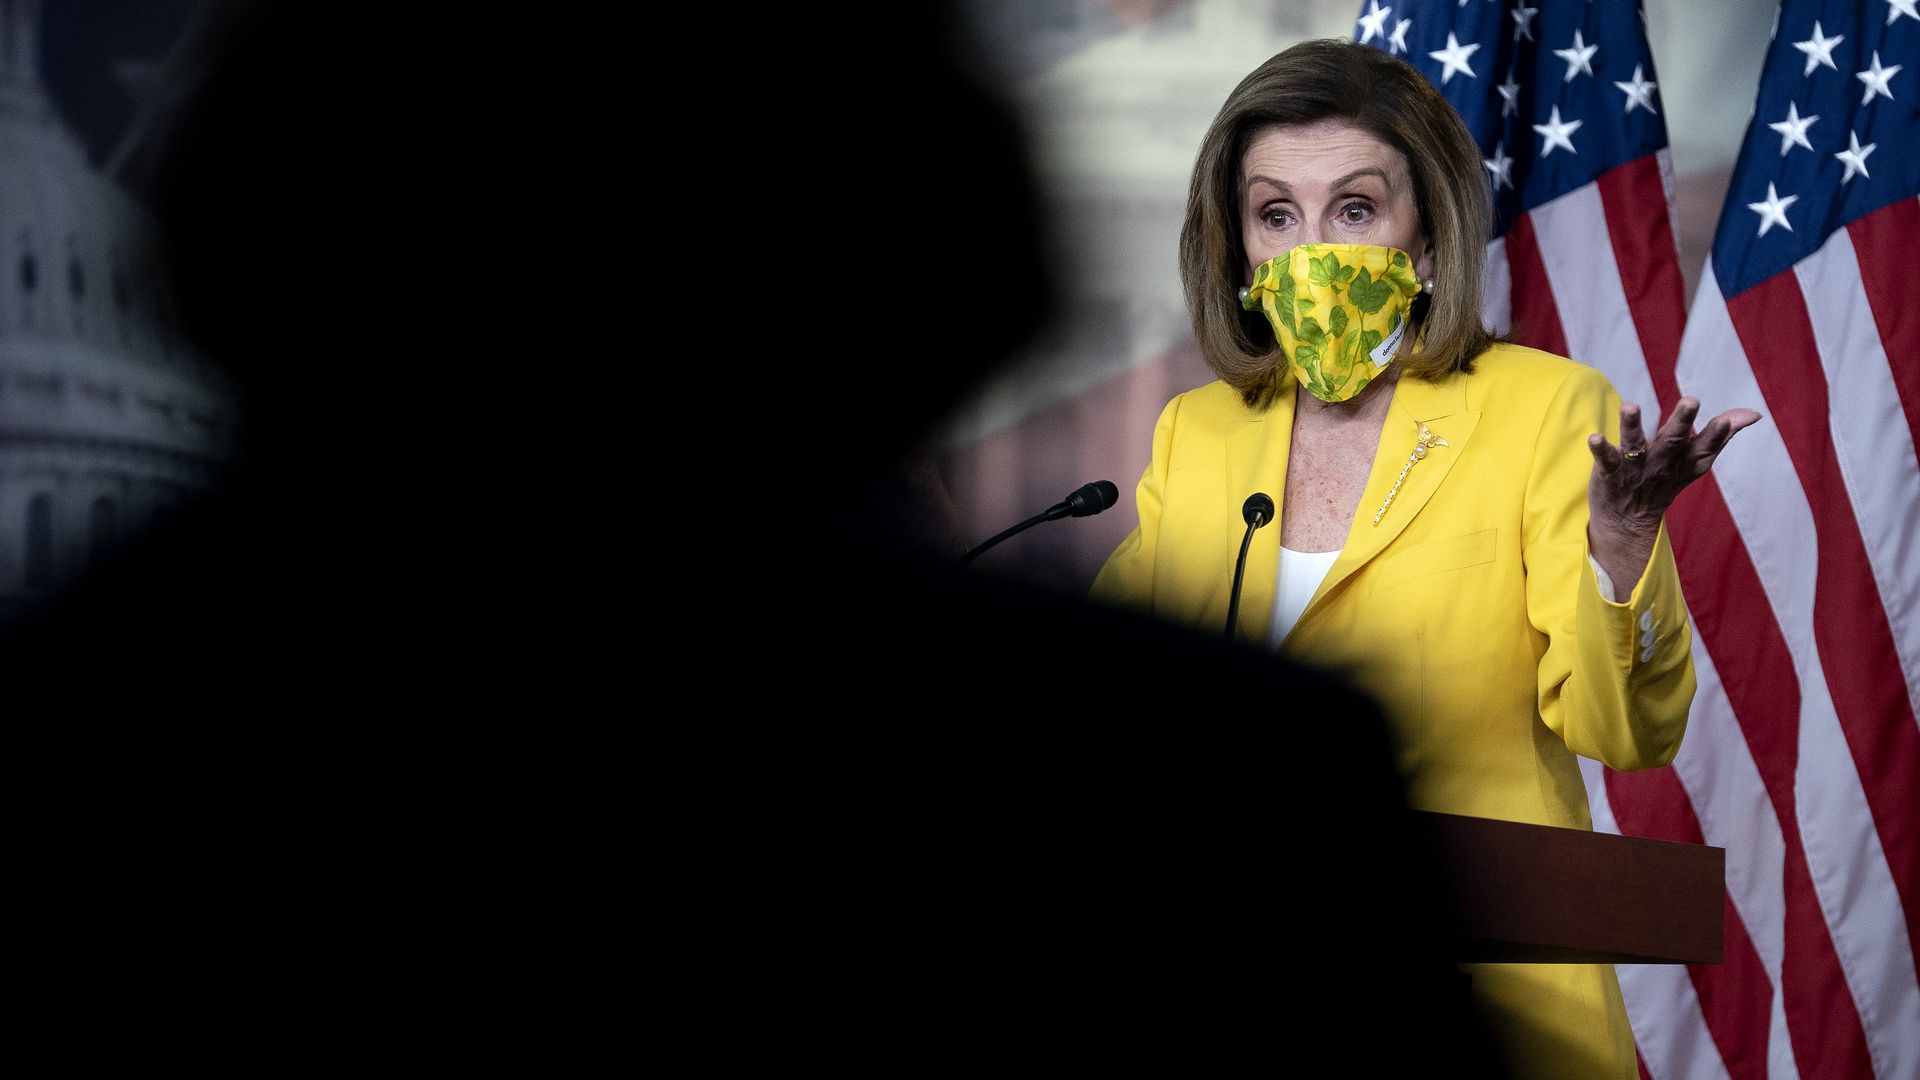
(1427, 441)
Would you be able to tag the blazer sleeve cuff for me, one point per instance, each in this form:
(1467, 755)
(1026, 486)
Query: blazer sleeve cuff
(1652, 617)
(1648, 667)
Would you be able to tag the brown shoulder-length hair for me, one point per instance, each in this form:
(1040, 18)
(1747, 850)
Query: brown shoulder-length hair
(1390, 100)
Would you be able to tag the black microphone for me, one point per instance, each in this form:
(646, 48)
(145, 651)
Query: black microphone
(1257, 510)
(1086, 502)
(1090, 499)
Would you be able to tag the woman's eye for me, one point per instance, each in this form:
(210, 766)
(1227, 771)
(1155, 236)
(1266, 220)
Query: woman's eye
(1355, 213)
(1276, 219)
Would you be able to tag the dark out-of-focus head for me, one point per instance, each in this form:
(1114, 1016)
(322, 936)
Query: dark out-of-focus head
(882, 208)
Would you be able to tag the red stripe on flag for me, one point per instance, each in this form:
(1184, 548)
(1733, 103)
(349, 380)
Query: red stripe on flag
(1536, 318)
(1635, 202)
(1822, 1022)
(1883, 243)
(1737, 628)
(1730, 612)
(1736, 995)
(1849, 625)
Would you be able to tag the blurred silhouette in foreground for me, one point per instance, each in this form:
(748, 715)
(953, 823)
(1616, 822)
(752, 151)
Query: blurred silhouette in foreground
(443, 702)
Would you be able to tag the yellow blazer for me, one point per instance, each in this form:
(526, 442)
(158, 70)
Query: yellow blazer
(1470, 611)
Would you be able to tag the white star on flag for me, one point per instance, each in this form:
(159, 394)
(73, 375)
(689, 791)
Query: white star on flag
(1509, 95)
(1557, 133)
(1397, 44)
(1578, 56)
(1501, 166)
(1897, 8)
(1454, 57)
(1854, 157)
(1773, 211)
(1639, 92)
(1374, 22)
(1819, 49)
(1523, 22)
(1876, 79)
(1793, 130)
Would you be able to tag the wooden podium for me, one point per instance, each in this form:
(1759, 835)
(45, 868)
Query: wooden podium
(1537, 894)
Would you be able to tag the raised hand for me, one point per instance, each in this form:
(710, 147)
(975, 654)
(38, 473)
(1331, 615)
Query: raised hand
(1633, 484)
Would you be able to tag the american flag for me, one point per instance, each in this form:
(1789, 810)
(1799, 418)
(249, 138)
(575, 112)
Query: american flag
(1800, 553)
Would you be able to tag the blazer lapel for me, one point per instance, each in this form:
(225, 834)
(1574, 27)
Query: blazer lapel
(1442, 406)
(1256, 460)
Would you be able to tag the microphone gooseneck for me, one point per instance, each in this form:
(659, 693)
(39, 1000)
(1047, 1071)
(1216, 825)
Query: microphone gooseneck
(1086, 501)
(1257, 511)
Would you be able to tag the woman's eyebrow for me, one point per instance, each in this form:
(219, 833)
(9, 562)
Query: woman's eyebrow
(1358, 173)
(1259, 179)
(1343, 181)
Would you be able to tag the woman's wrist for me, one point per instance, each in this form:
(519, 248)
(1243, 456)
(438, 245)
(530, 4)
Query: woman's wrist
(1623, 550)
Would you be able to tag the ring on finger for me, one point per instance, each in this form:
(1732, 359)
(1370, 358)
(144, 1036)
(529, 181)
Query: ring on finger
(1633, 455)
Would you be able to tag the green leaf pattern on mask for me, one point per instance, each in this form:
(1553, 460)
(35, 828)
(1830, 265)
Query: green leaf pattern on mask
(1308, 359)
(1317, 271)
(1345, 355)
(1319, 299)
(1367, 294)
(1328, 271)
(1282, 307)
(1400, 275)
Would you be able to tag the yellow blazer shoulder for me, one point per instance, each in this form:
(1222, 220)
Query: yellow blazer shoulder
(1470, 608)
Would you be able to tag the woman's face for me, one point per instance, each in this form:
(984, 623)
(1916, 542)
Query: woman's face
(1327, 183)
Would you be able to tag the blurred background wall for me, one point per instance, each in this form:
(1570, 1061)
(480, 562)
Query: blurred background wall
(1116, 95)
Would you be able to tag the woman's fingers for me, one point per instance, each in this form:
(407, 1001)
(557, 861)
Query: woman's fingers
(1679, 427)
(1678, 432)
(1675, 436)
(1677, 456)
(1714, 439)
(1633, 438)
(1716, 436)
(1721, 428)
(1604, 454)
(1739, 418)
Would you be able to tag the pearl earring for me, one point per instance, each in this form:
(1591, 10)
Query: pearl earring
(1428, 289)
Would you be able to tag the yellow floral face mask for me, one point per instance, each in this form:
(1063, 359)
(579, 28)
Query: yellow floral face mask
(1338, 311)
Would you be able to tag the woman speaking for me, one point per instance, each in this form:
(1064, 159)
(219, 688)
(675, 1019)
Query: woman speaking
(1471, 529)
